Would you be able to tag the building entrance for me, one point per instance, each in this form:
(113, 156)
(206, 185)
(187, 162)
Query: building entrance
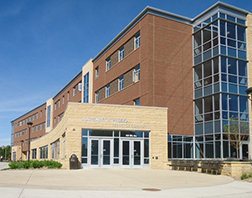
(100, 152)
(132, 153)
(245, 153)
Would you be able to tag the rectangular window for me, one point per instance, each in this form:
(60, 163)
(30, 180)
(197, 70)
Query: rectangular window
(121, 54)
(74, 90)
(121, 83)
(55, 149)
(97, 72)
(34, 153)
(63, 145)
(137, 41)
(97, 97)
(68, 95)
(44, 152)
(136, 74)
(137, 102)
(48, 120)
(108, 64)
(86, 88)
(63, 100)
(107, 91)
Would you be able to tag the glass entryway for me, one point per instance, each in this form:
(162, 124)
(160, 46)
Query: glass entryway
(132, 153)
(115, 149)
(100, 152)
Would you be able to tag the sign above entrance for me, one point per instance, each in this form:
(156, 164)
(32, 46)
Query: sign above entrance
(117, 120)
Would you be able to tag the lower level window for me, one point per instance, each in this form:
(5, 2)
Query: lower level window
(34, 153)
(44, 152)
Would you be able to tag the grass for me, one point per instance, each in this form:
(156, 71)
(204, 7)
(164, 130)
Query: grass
(246, 176)
(35, 164)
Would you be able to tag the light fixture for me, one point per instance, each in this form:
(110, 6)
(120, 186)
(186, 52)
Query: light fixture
(249, 92)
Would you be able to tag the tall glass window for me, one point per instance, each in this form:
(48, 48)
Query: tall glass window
(220, 81)
(48, 117)
(86, 88)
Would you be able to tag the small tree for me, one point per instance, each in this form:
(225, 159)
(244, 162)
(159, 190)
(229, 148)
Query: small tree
(237, 133)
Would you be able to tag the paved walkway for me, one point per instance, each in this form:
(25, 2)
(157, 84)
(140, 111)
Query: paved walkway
(118, 183)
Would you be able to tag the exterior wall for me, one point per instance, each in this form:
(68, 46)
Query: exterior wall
(165, 58)
(249, 52)
(18, 151)
(22, 140)
(139, 118)
(88, 67)
(236, 169)
(64, 93)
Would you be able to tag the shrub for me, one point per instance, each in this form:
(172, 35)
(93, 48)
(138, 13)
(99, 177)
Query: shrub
(37, 164)
(26, 164)
(13, 165)
(246, 176)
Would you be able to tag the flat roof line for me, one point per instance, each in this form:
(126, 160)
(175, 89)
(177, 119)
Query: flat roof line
(29, 112)
(147, 10)
(219, 3)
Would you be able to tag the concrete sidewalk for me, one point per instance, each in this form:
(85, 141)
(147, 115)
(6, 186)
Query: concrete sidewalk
(4, 165)
(118, 183)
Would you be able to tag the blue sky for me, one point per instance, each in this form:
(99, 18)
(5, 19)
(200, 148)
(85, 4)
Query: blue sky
(44, 44)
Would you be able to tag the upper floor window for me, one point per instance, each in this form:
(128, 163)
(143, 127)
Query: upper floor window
(97, 97)
(121, 53)
(68, 95)
(74, 91)
(137, 102)
(136, 74)
(63, 100)
(97, 72)
(137, 41)
(108, 64)
(86, 88)
(107, 91)
(121, 83)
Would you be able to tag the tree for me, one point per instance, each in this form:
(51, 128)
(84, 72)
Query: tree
(5, 151)
(237, 132)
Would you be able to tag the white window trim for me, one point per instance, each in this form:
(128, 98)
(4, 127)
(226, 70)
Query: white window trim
(137, 37)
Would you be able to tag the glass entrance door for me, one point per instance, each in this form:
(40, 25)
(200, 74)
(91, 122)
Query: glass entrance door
(132, 153)
(245, 151)
(100, 152)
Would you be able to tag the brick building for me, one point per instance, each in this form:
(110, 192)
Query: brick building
(197, 68)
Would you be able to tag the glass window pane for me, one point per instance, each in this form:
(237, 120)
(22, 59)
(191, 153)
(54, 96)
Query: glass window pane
(243, 104)
(242, 68)
(233, 102)
(233, 88)
(198, 129)
(232, 79)
(197, 39)
(208, 127)
(208, 104)
(223, 64)
(198, 72)
(222, 28)
(198, 106)
(241, 32)
(242, 90)
(242, 54)
(217, 102)
(231, 52)
(207, 68)
(231, 30)
(232, 66)
(208, 90)
(224, 101)
(198, 93)
(224, 87)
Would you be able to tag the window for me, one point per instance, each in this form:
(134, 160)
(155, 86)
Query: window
(108, 64)
(74, 91)
(41, 113)
(97, 72)
(63, 144)
(44, 152)
(136, 74)
(107, 91)
(137, 102)
(97, 97)
(48, 120)
(79, 86)
(63, 100)
(68, 95)
(55, 149)
(34, 153)
(137, 41)
(121, 83)
(121, 54)
(86, 88)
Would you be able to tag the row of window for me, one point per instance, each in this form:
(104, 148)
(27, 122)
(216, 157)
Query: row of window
(121, 84)
(77, 88)
(20, 133)
(38, 127)
(29, 119)
(121, 53)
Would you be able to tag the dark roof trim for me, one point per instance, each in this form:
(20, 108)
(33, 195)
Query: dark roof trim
(147, 10)
(219, 3)
(71, 82)
(29, 112)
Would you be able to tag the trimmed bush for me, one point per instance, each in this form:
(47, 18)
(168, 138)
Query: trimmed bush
(13, 165)
(26, 165)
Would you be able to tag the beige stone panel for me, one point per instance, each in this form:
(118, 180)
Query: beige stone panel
(18, 151)
(249, 53)
(114, 117)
